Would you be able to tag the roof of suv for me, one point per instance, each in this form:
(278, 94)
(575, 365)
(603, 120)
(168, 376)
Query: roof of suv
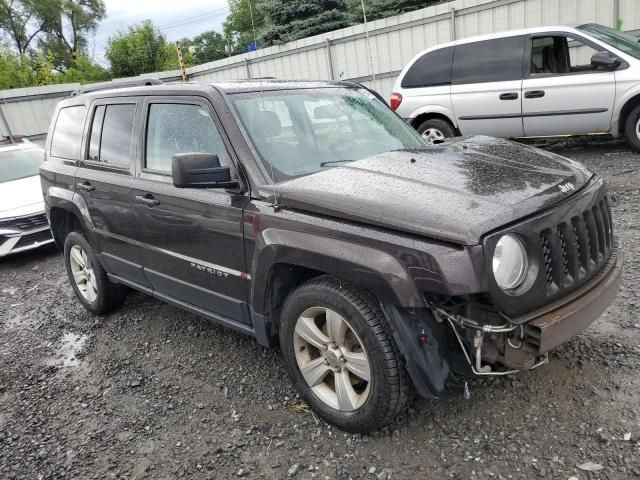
(234, 86)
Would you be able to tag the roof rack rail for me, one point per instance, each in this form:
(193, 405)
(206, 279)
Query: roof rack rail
(141, 82)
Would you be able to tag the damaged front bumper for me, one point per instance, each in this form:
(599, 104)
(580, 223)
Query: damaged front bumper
(524, 342)
(441, 347)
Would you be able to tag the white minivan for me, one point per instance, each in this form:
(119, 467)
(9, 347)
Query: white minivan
(549, 81)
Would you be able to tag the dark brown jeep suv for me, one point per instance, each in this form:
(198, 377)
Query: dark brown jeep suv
(310, 216)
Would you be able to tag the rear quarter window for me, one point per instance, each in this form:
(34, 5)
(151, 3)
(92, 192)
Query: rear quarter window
(497, 60)
(430, 70)
(67, 133)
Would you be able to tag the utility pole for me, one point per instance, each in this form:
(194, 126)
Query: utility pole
(183, 69)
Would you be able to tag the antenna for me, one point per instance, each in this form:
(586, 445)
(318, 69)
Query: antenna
(366, 33)
(260, 79)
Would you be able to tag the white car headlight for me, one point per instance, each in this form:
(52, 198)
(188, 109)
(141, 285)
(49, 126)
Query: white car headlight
(509, 262)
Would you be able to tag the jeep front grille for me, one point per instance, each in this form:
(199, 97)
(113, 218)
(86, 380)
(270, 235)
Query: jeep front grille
(579, 249)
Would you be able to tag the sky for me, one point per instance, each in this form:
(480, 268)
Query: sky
(175, 19)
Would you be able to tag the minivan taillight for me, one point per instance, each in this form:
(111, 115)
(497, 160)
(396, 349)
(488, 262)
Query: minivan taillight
(395, 100)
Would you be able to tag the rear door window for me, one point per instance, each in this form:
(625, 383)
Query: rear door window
(117, 134)
(67, 133)
(497, 60)
(430, 70)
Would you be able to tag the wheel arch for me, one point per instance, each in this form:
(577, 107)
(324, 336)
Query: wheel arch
(626, 109)
(423, 117)
(65, 213)
(302, 256)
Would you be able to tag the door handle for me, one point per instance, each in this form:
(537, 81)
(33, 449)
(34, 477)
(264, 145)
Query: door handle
(509, 96)
(147, 200)
(86, 186)
(534, 94)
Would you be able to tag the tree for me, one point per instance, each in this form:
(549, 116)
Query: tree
(16, 70)
(84, 70)
(210, 46)
(238, 28)
(20, 23)
(139, 49)
(377, 9)
(295, 19)
(66, 25)
(171, 56)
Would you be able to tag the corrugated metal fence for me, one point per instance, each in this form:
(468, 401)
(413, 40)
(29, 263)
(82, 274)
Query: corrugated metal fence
(344, 55)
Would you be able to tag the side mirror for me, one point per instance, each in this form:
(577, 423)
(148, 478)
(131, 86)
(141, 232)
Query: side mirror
(200, 170)
(605, 61)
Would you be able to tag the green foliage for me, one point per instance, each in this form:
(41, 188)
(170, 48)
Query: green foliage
(209, 46)
(171, 57)
(377, 9)
(84, 70)
(238, 28)
(66, 24)
(59, 28)
(19, 71)
(295, 19)
(136, 50)
(16, 71)
(17, 23)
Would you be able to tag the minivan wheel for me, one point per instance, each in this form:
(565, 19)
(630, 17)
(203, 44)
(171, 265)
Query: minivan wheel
(632, 129)
(435, 130)
(340, 355)
(88, 278)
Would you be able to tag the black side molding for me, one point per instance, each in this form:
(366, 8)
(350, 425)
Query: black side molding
(585, 111)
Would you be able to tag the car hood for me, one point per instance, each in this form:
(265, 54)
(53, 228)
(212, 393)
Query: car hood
(456, 191)
(21, 197)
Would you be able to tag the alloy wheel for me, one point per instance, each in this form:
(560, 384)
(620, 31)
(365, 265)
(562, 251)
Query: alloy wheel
(83, 273)
(433, 135)
(332, 359)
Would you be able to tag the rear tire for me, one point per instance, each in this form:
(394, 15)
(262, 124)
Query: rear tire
(89, 280)
(436, 130)
(632, 129)
(354, 375)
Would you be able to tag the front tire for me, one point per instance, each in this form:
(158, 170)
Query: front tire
(632, 129)
(436, 130)
(88, 279)
(338, 350)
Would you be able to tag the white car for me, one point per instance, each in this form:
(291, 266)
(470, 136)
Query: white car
(549, 81)
(23, 224)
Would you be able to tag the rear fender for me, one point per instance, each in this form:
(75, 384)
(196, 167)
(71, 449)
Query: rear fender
(73, 203)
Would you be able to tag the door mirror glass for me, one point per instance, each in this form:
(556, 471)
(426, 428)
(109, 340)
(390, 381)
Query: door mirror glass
(605, 61)
(200, 170)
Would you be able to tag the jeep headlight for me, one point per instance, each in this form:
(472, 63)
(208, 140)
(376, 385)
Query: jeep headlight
(509, 262)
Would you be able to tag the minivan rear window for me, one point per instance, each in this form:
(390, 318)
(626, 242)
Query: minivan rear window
(67, 134)
(430, 70)
(496, 60)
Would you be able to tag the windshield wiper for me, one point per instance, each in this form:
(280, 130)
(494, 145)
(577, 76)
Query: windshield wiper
(331, 162)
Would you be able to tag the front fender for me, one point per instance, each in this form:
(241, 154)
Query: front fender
(372, 269)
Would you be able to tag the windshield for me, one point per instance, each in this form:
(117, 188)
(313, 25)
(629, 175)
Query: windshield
(622, 41)
(299, 132)
(20, 163)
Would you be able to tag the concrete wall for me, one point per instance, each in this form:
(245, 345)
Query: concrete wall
(344, 55)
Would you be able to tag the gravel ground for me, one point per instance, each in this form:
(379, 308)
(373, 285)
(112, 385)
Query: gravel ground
(152, 392)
